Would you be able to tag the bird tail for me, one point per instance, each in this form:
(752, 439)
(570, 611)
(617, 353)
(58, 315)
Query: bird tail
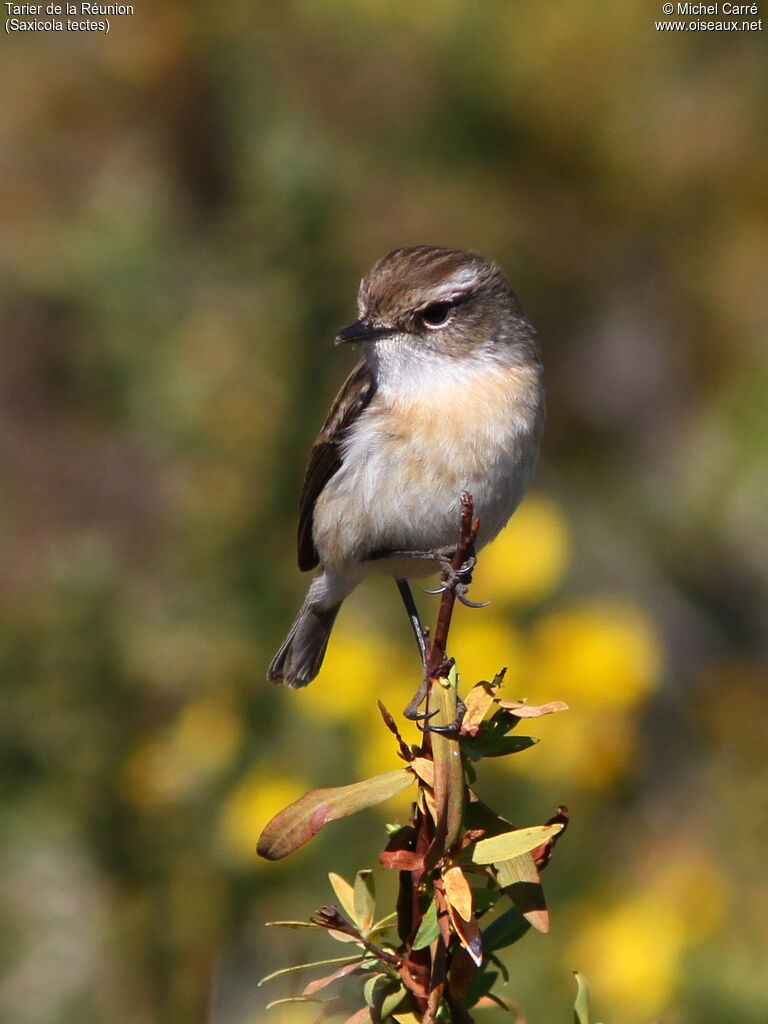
(299, 659)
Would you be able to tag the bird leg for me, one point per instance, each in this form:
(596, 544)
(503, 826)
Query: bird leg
(456, 580)
(422, 639)
(419, 630)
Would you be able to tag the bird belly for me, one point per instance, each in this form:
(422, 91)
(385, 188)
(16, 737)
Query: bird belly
(405, 464)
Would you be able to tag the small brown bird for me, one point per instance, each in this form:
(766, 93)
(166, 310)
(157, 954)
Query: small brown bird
(446, 398)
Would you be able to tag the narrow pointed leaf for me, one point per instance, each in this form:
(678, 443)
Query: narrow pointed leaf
(581, 1006)
(344, 892)
(425, 769)
(296, 824)
(364, 900)
(320, 983)
(386, 922)
(512, 844)
(522, 710)
(429, 929)
(519, 878)
(468, 933)
(495, 743)
(305, 967)
(290, 999)
(392, 1001)
(458, 892)
(369, 989)
(406, 1018)
(290, 924)
(478, 702)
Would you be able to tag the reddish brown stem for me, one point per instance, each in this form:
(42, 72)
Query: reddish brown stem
(448, 600)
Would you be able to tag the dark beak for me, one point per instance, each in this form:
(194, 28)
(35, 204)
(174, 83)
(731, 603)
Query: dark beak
(362, 330)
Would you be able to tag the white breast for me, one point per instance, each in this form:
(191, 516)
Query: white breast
(432, 431)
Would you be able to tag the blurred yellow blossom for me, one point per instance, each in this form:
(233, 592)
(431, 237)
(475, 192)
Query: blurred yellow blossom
(602, 657)
(602, 652)
(252, 803)
(357, 669)
(632, 951)
(482, 643)
(171, 765)
(579, 747)
(529, 558)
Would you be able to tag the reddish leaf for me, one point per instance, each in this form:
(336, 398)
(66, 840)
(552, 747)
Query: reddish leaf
(405, 751)
(543, 854)
(402, 860)
(478, 701)
(321, 983)
(463, 970)
(458, 892)
(296, 824)
(522, 710)
(468, 933)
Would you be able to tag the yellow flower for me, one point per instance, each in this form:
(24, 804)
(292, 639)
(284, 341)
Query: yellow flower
(603, 652)
(631, 956)
(482, 643)
(528, 559)
(362, 665)
(254, 802)
(633, 951)
(577, 746)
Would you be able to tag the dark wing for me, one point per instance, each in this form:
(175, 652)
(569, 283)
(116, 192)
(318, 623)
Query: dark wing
(325, 458)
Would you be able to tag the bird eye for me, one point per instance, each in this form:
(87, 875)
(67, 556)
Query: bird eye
(436, 314)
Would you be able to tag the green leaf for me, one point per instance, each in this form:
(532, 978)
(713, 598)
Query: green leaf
(365, 900)
(392, 1001)
(505, 930)
(307, 967)
(290, 924)
(581, 1006)
(291, 999)
(383, 925)
(344, 893)
(429, 929)
(493, 740)
(296, 824)
(369, 989)
(512, 844)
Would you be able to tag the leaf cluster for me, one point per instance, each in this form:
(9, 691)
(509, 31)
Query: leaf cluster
(469, 879)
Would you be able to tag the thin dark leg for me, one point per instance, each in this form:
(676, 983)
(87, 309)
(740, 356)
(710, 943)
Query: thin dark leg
(413, 614)
(411, 712)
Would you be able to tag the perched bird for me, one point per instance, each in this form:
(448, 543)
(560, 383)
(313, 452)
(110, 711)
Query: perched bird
(447, 397)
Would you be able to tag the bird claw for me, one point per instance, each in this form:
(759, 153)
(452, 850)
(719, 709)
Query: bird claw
(472, 604)
(453, 728)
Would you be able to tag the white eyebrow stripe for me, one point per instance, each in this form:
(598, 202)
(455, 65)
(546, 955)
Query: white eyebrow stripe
(454, 287)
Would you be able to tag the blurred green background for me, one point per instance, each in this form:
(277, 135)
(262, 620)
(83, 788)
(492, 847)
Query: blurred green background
(188, 204)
